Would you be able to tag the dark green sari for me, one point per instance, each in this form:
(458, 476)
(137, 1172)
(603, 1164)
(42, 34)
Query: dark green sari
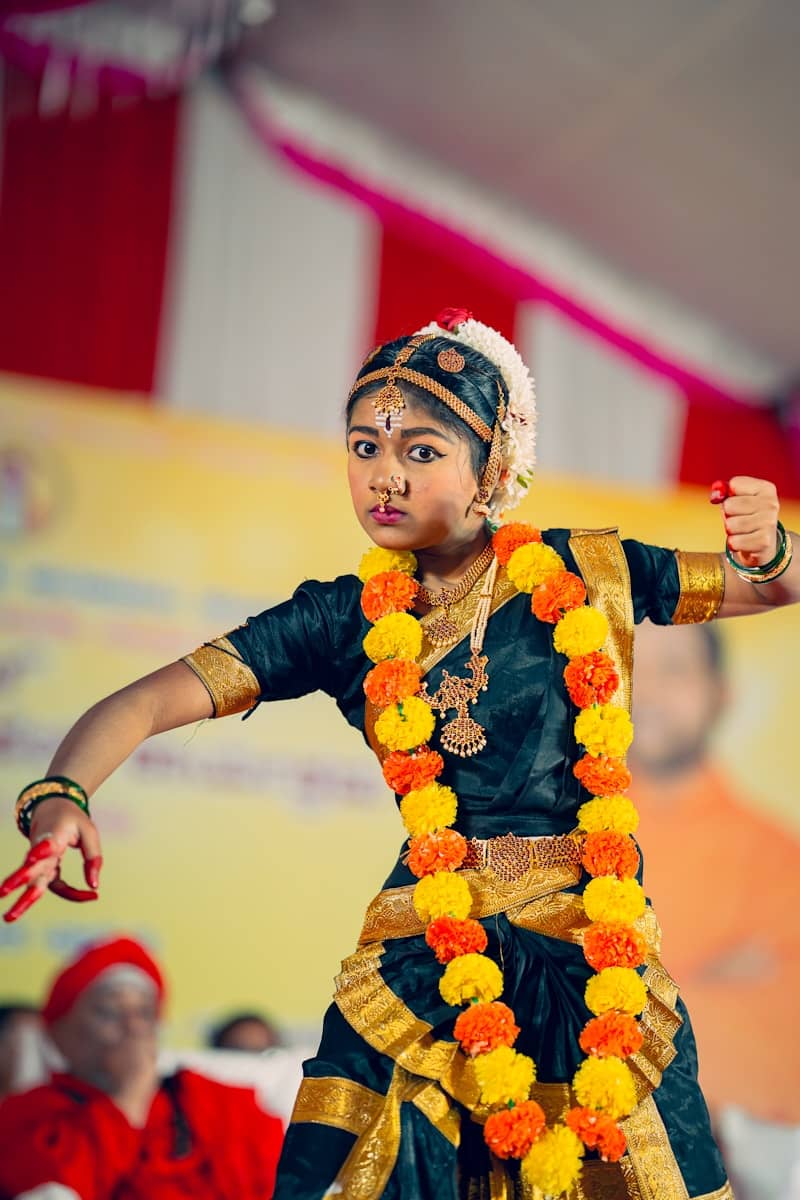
(388, 1106)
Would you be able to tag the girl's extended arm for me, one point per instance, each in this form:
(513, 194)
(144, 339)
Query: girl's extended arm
(95, 746)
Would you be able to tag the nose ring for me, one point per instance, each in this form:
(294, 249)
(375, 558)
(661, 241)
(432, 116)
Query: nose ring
(396, 488)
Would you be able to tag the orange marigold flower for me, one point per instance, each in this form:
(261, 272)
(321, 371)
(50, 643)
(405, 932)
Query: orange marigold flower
(392, 680)
(407, 772)
(598, 1132)
(511, 1132)
(611, 1035)
(432, 852)
(449, 938)
(602, 776)
(591, 679)
(558, 594)
(484, 1027)
(610, 853)
(509, 538)
(389, 592)
(609, 945)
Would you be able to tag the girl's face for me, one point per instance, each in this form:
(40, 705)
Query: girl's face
(435, 505)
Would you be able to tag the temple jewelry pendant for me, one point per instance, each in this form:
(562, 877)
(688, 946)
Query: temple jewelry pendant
(442, 629)
(463, 736)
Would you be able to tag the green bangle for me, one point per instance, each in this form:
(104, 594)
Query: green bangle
(764, 568)
(55, 786)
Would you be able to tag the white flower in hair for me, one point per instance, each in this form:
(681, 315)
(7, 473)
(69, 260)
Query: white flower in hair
(518, 447)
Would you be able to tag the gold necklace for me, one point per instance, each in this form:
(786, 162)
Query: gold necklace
(443, 630)
(464, 736)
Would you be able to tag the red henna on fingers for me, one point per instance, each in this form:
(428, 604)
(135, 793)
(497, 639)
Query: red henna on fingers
(91, 871)
(26, 900)
(720, 490)
(67, 892)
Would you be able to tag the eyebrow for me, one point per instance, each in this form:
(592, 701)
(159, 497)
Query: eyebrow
(416, 431)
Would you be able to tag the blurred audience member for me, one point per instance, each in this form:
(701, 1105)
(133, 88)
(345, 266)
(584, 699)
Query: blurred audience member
(20, 1029)
(724, 878)
(247, 1031)
(109, 1128)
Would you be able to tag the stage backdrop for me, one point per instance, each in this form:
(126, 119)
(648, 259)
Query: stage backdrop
(245, 852)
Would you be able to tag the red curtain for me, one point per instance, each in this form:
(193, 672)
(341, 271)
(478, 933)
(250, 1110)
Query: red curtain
(85, 206)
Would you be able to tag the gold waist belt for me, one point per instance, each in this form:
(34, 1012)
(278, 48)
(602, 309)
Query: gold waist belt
(510, 857)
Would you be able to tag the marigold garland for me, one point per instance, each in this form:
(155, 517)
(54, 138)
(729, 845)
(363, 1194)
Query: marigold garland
(617, 989)
(602, 776)
(531, 564)
(618, 901)
(407, 772)
(504, 1076)
(554, 1160)
(613, 900)
(389, 592)
(613, 813)
(558, 594)
(607, 945)
(449, 938)
(511, 1132)
(470, 977)
(604, 729)
(582, 631)
(392, 680)
(428, 808)
(484, 1027)
(605, 1084)
(607, 852)
(612, 1033)
(405, 725)
(597, 1132)
(397, 635)
(378, 561)
(442, 894)
(444, 850)
(591, 679)
(509, 538)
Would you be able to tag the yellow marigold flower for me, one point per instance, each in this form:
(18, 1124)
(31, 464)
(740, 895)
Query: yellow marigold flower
(619, 901)
(604, 729)
(504, 1075)
(605, 1084)
(442, 895)
(428, 808)
(531, 564)
(378, 560)
(618, 988)
(406, 725)
(397, 635)
(581, 631)
(470, 977)
(617, 813)
(553, 1162)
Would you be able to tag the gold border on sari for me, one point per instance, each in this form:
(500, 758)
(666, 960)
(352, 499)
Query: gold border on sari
(333, 1100)
(601, 560)
(702, 581)
(229, 681)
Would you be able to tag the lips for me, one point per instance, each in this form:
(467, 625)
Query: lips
(386, 516)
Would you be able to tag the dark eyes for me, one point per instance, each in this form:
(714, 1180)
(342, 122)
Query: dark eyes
(419, 453)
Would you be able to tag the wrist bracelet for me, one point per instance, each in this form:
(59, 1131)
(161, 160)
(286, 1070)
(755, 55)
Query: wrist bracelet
(771, 570)
(54, 787)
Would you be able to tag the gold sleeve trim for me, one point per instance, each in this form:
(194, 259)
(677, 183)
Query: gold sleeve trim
(230, 683)
(702, 582)
(602, 563)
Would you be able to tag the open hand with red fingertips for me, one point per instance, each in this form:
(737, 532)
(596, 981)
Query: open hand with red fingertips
(56, 825)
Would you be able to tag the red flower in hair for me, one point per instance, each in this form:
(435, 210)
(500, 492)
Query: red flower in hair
(451, 318)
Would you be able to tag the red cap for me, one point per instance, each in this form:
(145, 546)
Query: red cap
(91, 962)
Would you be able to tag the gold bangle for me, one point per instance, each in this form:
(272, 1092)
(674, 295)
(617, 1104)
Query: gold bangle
(749, 576)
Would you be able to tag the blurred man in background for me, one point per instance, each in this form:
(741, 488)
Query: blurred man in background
(108, 1127)
(724, 878)
(249, 1032)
